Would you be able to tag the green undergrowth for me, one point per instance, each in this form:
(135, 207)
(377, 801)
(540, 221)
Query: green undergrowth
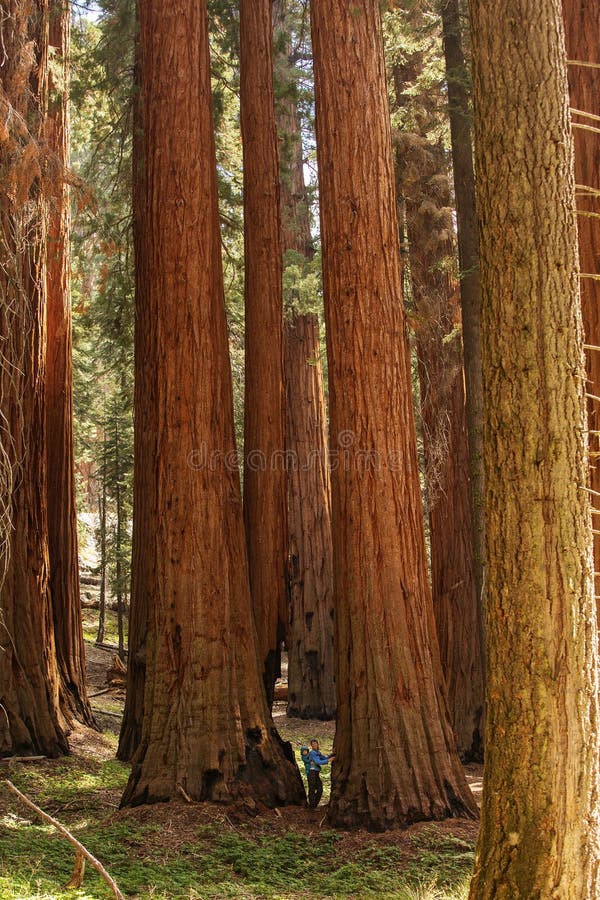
(167, 859)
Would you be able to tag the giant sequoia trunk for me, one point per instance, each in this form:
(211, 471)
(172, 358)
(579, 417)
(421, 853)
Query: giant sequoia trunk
(311, 691)
(440, 363)
(145, 448)
(309, 637)
(264, 424)
(295, 217)
(539, 835)
(396, 755)
(206, 728)
(30, 719)
(62, 517)
(582, 24)
(459, 107)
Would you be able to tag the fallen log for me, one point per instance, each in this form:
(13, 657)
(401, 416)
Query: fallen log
(81, 852)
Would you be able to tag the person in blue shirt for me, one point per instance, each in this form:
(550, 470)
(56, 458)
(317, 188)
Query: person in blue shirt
(315, 785)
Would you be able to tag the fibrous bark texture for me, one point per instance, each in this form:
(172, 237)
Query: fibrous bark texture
(265, 485)
(539, 835)
(311, 690)
(30, 719)
(582, 27)
(459, 109)
(145, 447)
(206, 727)
(62, 516)
(396, 755)
(436, 321)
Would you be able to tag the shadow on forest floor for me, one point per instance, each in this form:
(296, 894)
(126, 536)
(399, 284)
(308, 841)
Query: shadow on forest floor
(205, 852)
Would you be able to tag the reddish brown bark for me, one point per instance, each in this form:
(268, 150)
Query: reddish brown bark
(145, 448)
(582, 26)
(459, 108)
(296, 234)
(397, 760)
(206, 727)
(426, 190)
(540, 829)
(309, 637)
(264, 423)
(30, 719)
(311, 691)
(62, 516)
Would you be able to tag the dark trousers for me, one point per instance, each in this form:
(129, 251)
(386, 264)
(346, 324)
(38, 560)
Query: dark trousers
(315, 788)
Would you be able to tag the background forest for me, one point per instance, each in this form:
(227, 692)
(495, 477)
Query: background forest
(299, 349)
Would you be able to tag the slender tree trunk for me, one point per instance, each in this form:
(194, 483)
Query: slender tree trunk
(119, 542)
(582, 25)
(145, 437)
(396, 756)
(539, 835)
(102, 603)
(206, 727)
(264, 423)
(430, 228)
(30, 718)
(459, 107)
(311, 691)
(62, 516)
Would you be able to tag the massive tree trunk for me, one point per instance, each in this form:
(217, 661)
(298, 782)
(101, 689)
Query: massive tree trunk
(430, 230)
(264, 423)
(62, 516)
(30, 718)
(582, 25)
(459, 108)
(145, 446)
(397, 760)
(311, 691)
(206, 727)
(539, 835)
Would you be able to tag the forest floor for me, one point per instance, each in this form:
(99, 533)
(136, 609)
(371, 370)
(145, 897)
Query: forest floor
(206, 851)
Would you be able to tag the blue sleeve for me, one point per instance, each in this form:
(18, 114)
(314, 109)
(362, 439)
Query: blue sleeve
(318, 757)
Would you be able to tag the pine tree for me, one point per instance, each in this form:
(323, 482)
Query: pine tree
(539, 834)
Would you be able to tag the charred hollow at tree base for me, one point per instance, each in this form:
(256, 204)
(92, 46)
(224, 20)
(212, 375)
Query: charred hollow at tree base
(268, 776)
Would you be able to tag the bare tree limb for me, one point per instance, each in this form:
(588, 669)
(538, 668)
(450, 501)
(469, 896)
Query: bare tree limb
(81, 850)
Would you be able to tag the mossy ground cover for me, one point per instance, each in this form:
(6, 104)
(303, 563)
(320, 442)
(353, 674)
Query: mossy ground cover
(201, 852)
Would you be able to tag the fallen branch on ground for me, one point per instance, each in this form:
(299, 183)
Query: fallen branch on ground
(81, 850)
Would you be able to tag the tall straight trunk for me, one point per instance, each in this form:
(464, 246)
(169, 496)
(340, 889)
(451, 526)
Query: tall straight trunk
(206, 728)
(119, 526)
(459, 108)
(62, 516)
(539, 835)
(145, 436)
(440, 364)
(102, 516)
(295, 217)
(311, 691)
(265, 484)
(30, 719)
(397, 760)
(582, 27)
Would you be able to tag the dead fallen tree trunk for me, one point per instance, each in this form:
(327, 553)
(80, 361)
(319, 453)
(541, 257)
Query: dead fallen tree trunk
(81, 851)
